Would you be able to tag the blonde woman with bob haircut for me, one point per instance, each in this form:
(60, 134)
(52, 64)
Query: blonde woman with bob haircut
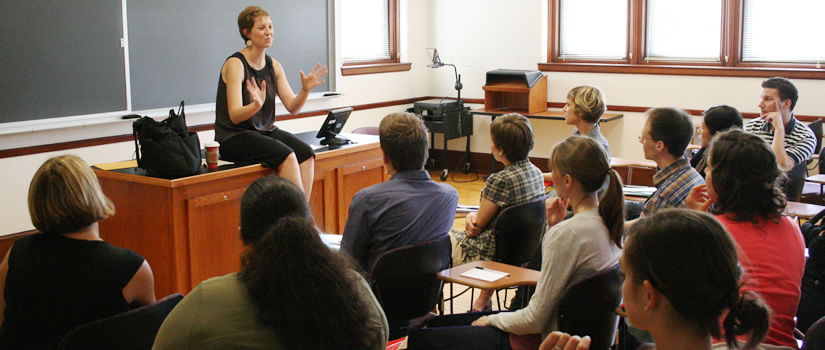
(584, 109)
(66, 275)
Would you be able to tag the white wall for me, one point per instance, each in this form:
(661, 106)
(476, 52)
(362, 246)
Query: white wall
(493, 34)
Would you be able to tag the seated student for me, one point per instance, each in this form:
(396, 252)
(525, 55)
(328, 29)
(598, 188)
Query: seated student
(511, 139)
(664, 139)
(573, 250)
(407, 209)
(66, 275)
(585, 107)
(715, 119)
(291, 293)
(681, 277)
(742, 185)
(792, 142)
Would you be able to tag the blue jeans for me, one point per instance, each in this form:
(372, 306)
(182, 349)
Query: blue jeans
(456, 332)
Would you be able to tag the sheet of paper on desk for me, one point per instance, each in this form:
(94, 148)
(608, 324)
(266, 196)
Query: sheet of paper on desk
(640, 191)
(117, 165)
(466, 208)
(316, 147)
(332, 241)
(485, 274)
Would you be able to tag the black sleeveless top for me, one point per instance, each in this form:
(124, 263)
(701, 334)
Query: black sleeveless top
(56, 283)
(263, 120)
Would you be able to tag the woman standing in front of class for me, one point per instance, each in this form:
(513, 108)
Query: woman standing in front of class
(245, 105)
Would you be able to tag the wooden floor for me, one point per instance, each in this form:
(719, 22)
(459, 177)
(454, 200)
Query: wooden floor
(469, 193)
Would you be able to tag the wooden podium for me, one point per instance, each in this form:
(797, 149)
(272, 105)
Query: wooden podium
(187, 228)
(512, 92)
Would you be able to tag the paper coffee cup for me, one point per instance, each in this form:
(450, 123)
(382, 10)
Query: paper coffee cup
(212, 154)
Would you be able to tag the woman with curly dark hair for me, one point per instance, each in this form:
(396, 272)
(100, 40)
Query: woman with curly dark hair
(291, 293)
(743, 190)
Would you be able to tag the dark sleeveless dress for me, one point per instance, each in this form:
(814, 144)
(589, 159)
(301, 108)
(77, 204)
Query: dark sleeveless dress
(257, 139)
(56, 283)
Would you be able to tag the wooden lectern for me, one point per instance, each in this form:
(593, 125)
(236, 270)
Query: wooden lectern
(515, 91)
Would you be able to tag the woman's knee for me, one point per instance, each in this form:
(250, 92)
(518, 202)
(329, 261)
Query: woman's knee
(290, 162)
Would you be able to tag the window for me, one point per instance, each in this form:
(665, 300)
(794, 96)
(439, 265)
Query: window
(701, 37)
(369, 37)
(589, 34)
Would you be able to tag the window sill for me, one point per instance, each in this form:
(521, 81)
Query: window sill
(760, 72)
(375, 68)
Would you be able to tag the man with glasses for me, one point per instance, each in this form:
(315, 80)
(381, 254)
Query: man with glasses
(664, 139)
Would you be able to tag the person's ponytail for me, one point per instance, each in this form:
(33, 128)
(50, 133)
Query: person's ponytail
(612, 208)
(748, 315)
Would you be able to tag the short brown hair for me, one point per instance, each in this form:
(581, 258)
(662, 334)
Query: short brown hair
(64, 196)
(589, 102)
(513, 135)
(672, 126)
(246, 19)
(405, 140)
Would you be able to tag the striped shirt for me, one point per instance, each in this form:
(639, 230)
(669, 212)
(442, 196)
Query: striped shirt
(673, 185)
(799, 139)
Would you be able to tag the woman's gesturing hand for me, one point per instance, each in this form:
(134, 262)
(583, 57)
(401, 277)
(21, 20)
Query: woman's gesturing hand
(314, 78)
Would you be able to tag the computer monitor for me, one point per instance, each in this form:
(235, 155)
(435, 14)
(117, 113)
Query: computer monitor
(332, 127)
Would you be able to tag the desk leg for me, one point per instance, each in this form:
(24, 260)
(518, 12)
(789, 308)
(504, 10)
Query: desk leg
(492, 157)
(445, 170)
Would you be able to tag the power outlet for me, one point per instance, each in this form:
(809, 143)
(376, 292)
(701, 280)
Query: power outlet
(465, 61)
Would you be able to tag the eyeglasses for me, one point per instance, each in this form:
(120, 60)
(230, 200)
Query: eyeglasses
(642, 138)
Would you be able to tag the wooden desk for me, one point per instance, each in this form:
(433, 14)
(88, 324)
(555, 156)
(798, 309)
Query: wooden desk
(518, 277)
(802, 210)
(648, 167)
(548, 114)
(187, 228)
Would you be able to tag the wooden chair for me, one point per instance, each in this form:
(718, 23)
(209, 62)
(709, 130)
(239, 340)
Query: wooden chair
(368, 130)
(588, 307)
(134, 329)
(406, 284)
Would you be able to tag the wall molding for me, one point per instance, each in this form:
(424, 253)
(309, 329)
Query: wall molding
(62, 146)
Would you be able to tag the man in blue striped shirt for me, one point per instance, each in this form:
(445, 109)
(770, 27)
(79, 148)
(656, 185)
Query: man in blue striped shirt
(792, 142)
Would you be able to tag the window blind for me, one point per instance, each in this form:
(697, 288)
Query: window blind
(365, 34)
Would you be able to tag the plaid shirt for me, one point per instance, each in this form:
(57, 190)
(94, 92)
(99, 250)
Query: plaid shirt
(673, 185)
(519, 182)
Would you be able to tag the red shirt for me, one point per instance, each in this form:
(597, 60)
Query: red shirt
(773, 258)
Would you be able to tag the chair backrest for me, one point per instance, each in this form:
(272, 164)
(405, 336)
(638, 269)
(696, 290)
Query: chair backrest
(518, 231)
(135, 329)
(405, 280)
(795, 181)
(588, 307)
(368, 130)
(815, 336)
(816, 128)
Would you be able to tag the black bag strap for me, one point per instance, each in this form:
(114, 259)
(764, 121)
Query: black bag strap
(137, 147)
(814, 220)
(181, 113)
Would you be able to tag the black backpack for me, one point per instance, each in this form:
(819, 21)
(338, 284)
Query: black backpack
(812, 228)
(167, 149)
(812, 301)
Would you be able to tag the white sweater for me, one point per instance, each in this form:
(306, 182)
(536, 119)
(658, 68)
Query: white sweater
(572, 250)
